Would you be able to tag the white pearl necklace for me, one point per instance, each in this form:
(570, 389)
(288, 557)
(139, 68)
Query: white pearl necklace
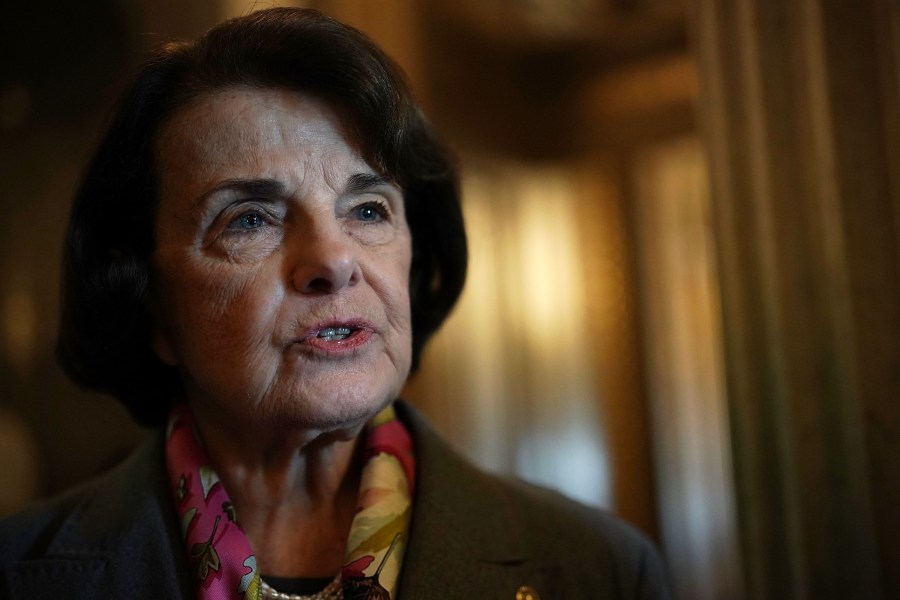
(332, 591)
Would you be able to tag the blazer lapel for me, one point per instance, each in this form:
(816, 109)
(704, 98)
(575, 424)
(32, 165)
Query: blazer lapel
(122, 541)
(465, 539)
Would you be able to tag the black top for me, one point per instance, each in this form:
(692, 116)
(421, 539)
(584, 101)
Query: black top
(302, 586)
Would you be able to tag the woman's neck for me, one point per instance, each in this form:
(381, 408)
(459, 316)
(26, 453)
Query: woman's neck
(295, 494)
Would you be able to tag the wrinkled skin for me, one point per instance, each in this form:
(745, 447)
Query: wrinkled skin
(270, 229)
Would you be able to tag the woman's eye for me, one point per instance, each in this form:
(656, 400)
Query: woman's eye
(246, 221)
(371, 212)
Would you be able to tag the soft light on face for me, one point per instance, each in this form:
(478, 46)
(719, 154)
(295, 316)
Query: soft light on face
(282, 264)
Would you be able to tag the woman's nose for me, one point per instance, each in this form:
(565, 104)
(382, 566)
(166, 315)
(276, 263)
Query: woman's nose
(324, 261)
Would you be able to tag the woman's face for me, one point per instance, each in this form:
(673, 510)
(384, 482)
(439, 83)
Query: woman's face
(281, 270)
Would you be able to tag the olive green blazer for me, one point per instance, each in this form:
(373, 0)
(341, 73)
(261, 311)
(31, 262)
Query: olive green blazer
(473, 535)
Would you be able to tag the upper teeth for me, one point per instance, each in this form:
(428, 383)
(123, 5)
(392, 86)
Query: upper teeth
(330, 334)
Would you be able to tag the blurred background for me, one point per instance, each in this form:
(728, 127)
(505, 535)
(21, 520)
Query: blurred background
(683, 303)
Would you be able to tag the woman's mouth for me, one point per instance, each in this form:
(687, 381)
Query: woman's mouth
(338, 338)
(335, 334)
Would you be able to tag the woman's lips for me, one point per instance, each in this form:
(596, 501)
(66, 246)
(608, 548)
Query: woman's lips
(338, 337)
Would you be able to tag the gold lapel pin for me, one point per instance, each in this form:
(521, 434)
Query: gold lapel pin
(526, 592)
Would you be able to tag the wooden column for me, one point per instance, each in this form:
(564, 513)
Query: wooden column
(800, 106)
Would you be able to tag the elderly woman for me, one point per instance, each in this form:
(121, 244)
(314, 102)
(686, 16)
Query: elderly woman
(265, 239)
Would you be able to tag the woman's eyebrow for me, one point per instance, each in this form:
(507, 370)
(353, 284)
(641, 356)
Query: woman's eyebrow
(361, 182)
(265, 188)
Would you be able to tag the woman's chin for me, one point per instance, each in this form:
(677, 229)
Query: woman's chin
(331, 415)
(345, 398)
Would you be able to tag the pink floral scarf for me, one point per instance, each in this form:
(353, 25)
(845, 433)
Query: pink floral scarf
(222, 563)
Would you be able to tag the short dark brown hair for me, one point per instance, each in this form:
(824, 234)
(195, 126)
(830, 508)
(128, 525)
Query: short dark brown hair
(105, 330)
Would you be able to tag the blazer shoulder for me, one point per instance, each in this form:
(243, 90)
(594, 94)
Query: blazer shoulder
(82, 517)
(598, 528)
(507, 519)
(592, 539)
(565, 515)
(28, 534)
(114, 537)
(544, 511)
